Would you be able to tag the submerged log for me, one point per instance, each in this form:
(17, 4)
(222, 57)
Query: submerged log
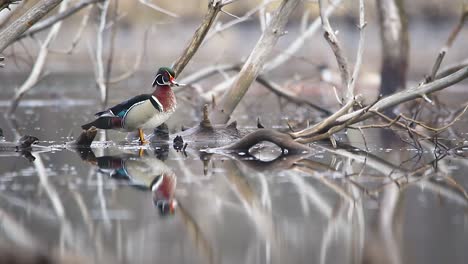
(282, 140)
(24, 143)
(22, 147)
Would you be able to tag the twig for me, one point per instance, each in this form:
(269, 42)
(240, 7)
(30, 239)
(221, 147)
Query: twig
(330, 132)
(285, 54)
(443, 51)
(238, 20)
(100, 78)
(357, 65)
(158, 8)
(409, 94)
(419, 123)
(288, 52)
(111, 50)
(276, 89)
(213, 9)
(262, 16)
(205, 73)
(335, 45)
(137, 63)
(391, 122)
(46, 23)
(451, 69)
(323, 124)
(273, 87)
(36, 72)
(23, 23)
(79, 33)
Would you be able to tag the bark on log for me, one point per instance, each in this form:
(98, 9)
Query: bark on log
(19, 26)
(85, 139)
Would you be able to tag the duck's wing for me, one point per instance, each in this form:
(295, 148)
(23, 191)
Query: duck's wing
(122, 108)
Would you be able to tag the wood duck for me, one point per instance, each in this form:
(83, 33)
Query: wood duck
(145, 111)
(144, 173)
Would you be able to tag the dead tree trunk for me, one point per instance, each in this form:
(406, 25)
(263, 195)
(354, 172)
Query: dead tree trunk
(395, 45)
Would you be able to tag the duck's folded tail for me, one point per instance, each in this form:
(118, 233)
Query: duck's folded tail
(104, 122)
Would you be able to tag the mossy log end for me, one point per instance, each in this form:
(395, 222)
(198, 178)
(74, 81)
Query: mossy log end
(85, 139)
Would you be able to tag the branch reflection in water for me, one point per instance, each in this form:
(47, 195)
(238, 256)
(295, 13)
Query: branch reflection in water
(263, 206)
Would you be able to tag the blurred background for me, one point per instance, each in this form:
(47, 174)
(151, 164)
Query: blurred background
(66, 206)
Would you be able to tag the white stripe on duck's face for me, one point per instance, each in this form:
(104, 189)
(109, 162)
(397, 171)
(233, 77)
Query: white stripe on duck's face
(161, 80)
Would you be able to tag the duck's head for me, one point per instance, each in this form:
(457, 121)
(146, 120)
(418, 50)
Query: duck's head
(163, 189)
(166, 207)
(165, 76)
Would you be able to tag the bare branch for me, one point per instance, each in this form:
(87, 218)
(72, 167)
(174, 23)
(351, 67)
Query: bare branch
(276, 89)
(199, 35)
(36, 72)
(410, 94)
(262, 16)
(158, 8)
(46, 23)
(100, 78)
(287, 53)
(254, 63)
(238, 20)
(341, 60)
(23, 23)
(137, 63)
(110, 57)
(273, 87)
(78, 34)
(449, 69)
(443, 51)
(205, 73)
(325, 123)
(357, 65)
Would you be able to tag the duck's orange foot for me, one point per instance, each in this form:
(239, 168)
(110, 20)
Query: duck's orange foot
(143, 141)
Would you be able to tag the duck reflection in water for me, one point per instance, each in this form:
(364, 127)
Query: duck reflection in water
(143, 172)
